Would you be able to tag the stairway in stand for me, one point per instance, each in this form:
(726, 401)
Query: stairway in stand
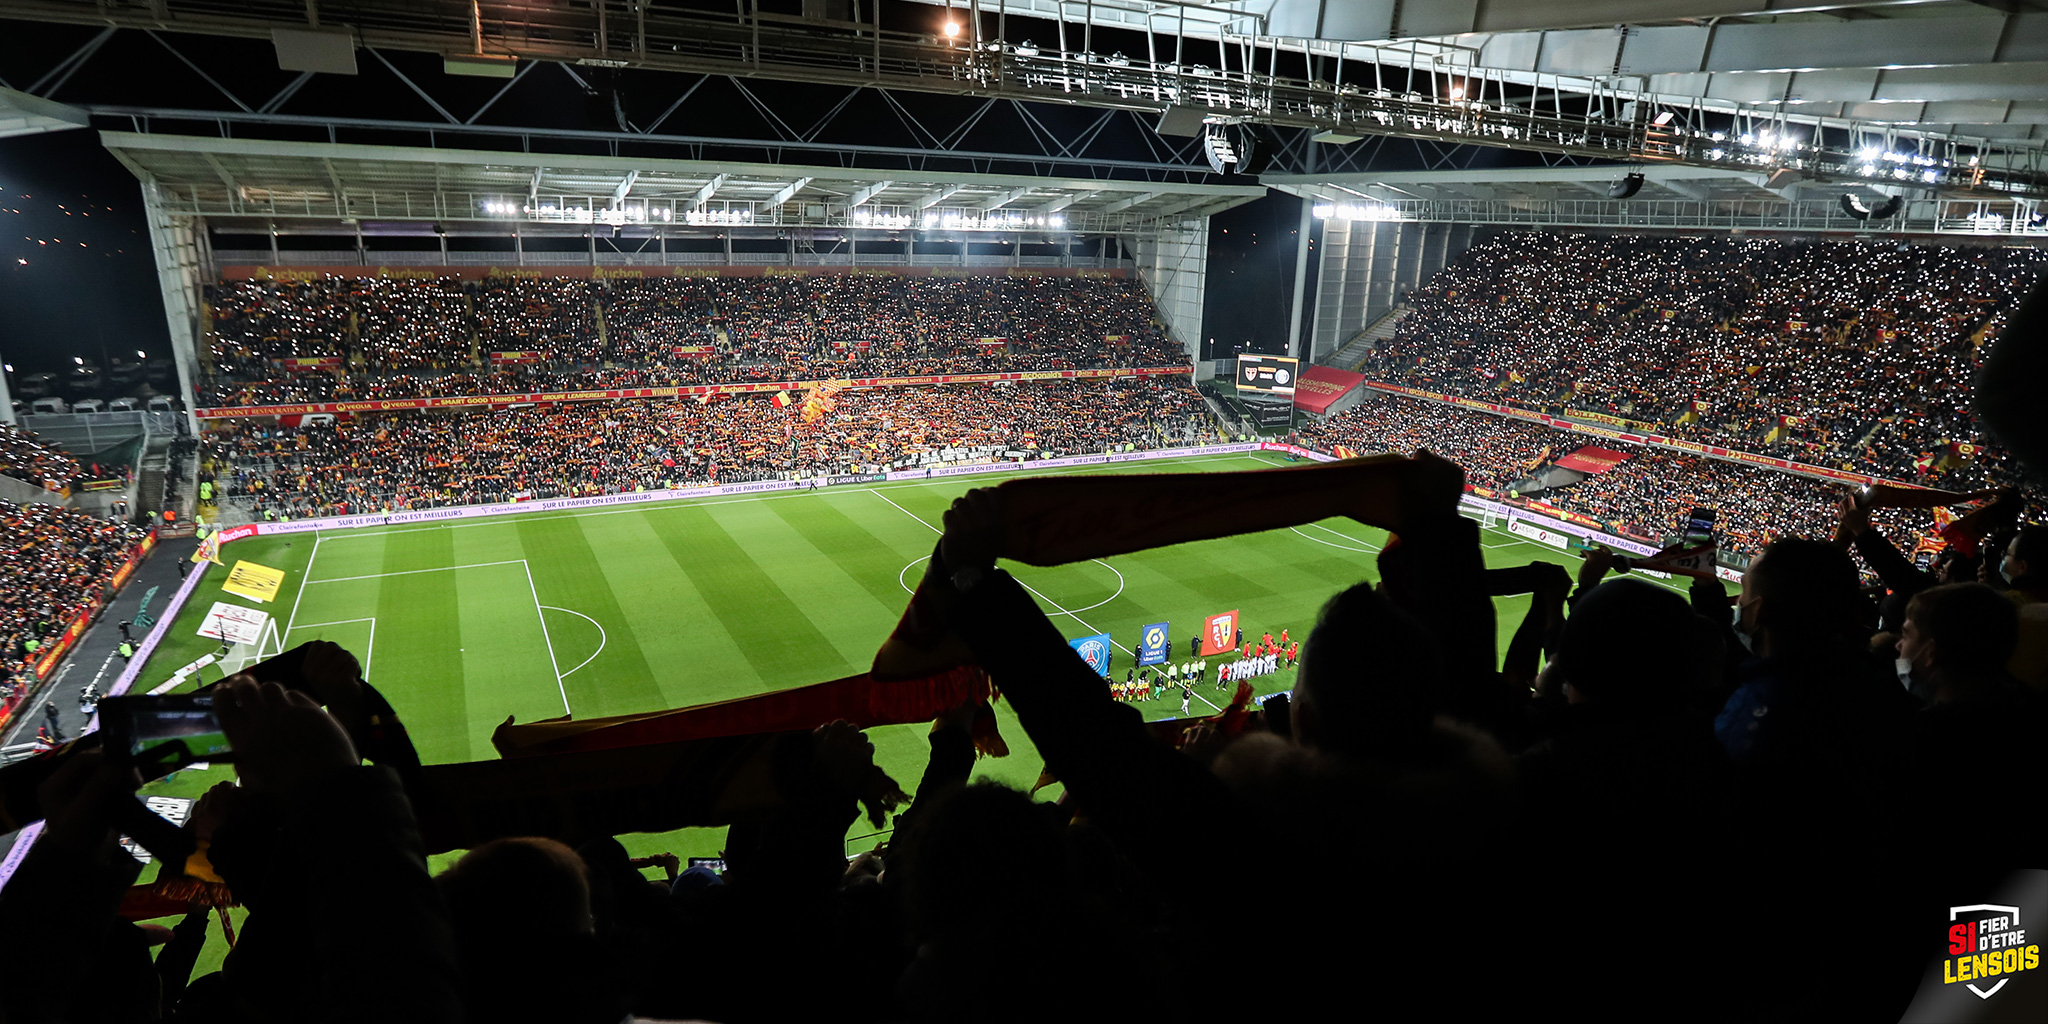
(1355, 351)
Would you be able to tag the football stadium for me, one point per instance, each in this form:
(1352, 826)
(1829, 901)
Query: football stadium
(947, 510)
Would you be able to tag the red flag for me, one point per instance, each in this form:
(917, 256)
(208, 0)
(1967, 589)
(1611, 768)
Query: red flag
(1219, 632)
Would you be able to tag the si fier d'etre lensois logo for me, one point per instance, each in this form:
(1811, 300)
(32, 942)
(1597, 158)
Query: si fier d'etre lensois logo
(1987, 963)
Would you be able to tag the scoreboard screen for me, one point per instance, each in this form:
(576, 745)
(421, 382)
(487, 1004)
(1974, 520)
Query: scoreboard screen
(1270, 374)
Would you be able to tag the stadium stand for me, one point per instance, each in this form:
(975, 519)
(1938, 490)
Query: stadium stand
(24, 456)
(373, 338)
(428, 460)
(56, 561)
(1646, 496)
(1849, 354)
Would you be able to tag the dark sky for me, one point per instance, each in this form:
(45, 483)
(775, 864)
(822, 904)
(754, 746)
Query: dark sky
(76, 275)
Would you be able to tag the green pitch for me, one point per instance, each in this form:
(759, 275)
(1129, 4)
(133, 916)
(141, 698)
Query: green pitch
(612, 611)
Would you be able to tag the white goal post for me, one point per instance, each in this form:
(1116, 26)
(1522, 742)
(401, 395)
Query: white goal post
(242, 655)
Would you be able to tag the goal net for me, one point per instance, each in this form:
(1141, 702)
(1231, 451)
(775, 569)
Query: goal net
(242, 655)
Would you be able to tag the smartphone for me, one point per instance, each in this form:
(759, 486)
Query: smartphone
(1699, 526)
(1922, 559)
(716, 864)
(159, 735)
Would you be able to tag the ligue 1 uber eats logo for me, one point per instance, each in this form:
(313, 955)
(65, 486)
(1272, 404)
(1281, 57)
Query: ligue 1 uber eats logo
(1986, 946)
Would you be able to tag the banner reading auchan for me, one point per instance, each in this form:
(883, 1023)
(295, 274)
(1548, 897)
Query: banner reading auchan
(750, 387)
(1654, 440)
(587, 273)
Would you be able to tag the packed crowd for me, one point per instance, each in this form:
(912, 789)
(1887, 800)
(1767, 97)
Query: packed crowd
(1729, 766)
(387, 339)
(1867, 347)
(25, 456)
(428, 460)
(55, 562)
(1646, 496)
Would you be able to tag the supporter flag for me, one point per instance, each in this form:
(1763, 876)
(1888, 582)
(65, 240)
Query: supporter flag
(1696, 560)
(1344, 452)
(1095, 650)
(1888, 336)
(1153, 644)
(923, 669)
(1516, 376)
(1795, 325)
(253, 581)
(1960, 532)
(1668, 314)
(209, 549)
(1219, 633)
(1960, 452)
(1924, 462)
(1791, 421)
(1701, 405)
(781, 400)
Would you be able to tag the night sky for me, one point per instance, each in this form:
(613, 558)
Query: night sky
(76, 275)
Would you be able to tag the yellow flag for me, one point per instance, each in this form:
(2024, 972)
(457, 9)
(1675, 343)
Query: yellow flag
(255, 582)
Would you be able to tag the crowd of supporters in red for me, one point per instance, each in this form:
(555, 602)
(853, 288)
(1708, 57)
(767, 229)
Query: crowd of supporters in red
(1868, 347)
(55, 561)
(1645, 496)
(25, 456)
(427, 460)
(370, 338)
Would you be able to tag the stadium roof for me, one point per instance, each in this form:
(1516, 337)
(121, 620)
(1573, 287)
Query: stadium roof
(1954, 66)
(253, 183)
(1669, 197)
(23, 114)
(1732, 84)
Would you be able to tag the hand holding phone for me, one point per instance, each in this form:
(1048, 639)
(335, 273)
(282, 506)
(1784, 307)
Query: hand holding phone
(283, 741)
(159, 735)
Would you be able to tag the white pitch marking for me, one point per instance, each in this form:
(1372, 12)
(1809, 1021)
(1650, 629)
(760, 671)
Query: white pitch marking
(409, 572)
(908, 589)
(1021, 583)
(300, 599)
(369, 655)
(698, 502)
(602, 637)
(542, 616)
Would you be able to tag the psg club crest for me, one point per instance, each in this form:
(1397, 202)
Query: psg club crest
(1095, 650)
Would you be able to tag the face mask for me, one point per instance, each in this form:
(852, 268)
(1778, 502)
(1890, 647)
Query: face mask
(2005, 567)
(1748, 641)
(1904, 667)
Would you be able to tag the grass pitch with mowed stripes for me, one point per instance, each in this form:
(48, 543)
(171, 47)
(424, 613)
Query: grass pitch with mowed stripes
(618, 610)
